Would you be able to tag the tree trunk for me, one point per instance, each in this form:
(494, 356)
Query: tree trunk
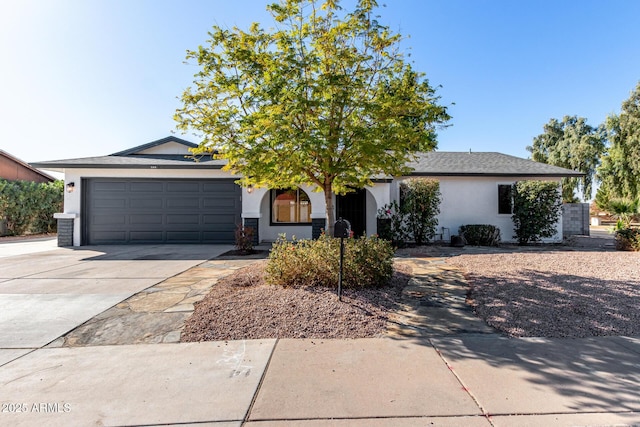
(328, 200)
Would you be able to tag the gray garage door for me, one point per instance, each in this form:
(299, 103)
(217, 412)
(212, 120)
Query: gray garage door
(160, 211)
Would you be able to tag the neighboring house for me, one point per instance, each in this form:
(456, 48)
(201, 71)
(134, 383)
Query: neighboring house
(155, 193)
(14, 169)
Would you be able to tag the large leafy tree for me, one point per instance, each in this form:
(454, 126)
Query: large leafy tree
(620, 170)
(573, 144)
(325, 98)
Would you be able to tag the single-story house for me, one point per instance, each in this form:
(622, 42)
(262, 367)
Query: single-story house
(14, 169)
(156, 193)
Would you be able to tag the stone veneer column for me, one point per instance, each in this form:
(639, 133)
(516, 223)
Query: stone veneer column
(65, 232)
(65, 228)
(318, 225)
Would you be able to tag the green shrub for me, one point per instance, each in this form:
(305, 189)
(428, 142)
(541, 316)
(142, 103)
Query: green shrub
(628, 239)
(29, 207)
(244, 239)
(537, 206)
(415, 218)
(391, 224)
(368, 261)
(49, 200)
(480, 234)
(420, 200)
(623, 210)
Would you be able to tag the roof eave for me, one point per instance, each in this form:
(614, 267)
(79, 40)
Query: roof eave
(501, 174)
(94, 166)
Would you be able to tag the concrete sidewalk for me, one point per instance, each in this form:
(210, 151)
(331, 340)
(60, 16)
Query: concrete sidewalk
(470, 381)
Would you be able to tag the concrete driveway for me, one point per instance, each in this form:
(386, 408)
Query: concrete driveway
(47, 291)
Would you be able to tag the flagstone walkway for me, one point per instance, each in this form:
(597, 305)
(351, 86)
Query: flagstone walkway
(434, 302)
(433, 305)
(157, 314)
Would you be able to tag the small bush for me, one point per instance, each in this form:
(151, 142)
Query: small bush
(244, 239)
(628, 239)
(391, 224)
(420, 200)
(368, 262)
(480, 234)
(415, 218)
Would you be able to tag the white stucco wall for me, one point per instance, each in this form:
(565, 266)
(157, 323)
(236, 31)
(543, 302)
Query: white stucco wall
(465, 200)
(474, 200)
(257, 204)
(170, 147)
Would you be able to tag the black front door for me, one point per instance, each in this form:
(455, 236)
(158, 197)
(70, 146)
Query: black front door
(353, 207)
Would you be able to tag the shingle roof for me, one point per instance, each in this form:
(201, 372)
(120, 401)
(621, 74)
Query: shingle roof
(131, 159)
(435, 163)
(134, 162)
(443, 163)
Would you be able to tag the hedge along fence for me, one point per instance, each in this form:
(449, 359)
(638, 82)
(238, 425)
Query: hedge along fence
(28, 207)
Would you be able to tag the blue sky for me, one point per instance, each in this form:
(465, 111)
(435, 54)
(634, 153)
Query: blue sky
(82, 78)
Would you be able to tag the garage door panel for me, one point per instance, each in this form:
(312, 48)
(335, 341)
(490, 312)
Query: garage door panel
(109, 219)
(116, 186)
(183, 203)
(108, 203)
(218, 219)
(147, 219)
(146, 203)
(221, 204)
(229, 187)
(183, 219)
(183, 187)
(160, 211)
(147, 187)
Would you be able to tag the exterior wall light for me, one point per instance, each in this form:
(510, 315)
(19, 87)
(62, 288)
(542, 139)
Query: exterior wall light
(70, 187)
(250, 189)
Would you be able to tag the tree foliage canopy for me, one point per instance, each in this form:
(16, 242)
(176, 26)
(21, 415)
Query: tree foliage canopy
(325, 98)
(620, 169)
(572, 144)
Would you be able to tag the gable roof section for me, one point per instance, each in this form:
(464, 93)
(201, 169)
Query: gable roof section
(138, 149)
(26, 168)
(446, 163)
(133, 158)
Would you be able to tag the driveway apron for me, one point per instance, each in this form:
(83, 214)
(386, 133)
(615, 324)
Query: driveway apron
(45, 294)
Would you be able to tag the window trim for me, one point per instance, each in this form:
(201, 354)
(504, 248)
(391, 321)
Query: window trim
(272, 196)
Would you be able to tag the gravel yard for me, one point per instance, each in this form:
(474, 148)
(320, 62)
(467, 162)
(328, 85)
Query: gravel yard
(556, 293)
(241, 306)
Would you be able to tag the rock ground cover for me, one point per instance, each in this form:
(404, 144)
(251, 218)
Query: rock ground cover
(584, 289)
